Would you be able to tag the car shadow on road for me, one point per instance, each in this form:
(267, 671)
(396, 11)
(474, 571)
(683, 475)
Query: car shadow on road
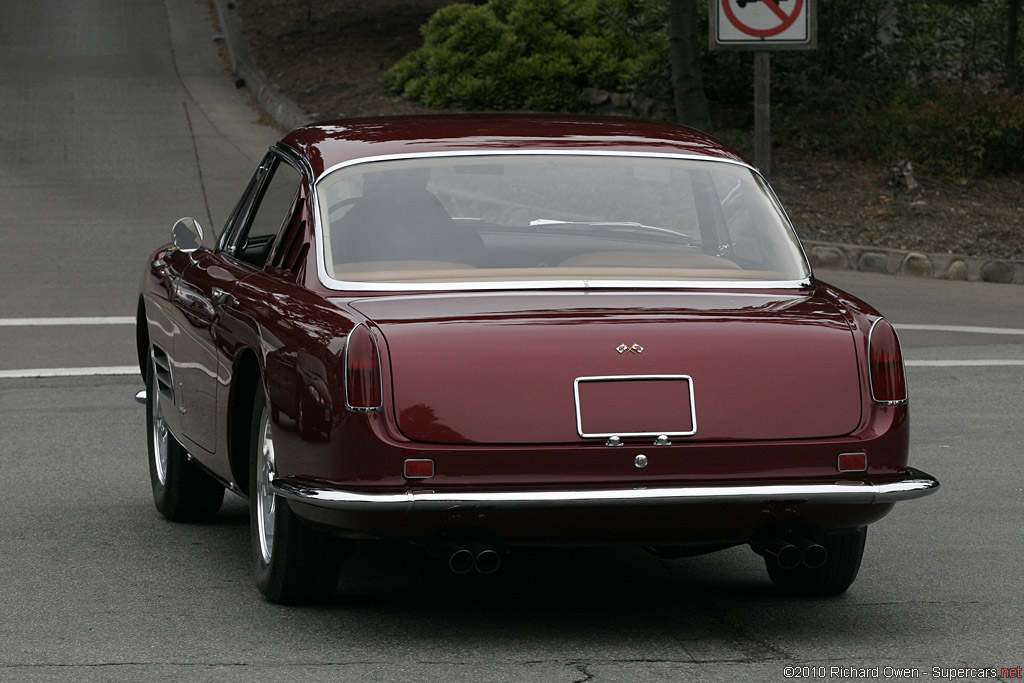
(717, 607)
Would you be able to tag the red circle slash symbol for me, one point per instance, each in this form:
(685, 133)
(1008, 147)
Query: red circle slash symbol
(786, 20)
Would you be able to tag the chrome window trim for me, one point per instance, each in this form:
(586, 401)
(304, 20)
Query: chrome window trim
(620, 378)
(296, 159)
(348, 286)
(913, 484)
(228, 242)
(903, 369)
(376, 349)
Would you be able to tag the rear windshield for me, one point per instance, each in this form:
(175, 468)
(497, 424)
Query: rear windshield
(553, 218)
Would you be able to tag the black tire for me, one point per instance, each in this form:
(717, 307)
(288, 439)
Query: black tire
(182, 490)
(845, 550)
(294, 563)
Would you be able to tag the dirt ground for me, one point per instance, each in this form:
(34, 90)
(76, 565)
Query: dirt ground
(328, 55)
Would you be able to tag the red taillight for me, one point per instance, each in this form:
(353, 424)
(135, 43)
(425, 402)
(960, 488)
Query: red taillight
(362, 371)
(888, 383)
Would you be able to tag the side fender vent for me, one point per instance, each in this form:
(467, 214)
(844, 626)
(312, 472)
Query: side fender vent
(162, 368)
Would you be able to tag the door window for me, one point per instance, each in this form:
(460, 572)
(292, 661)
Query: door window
(272, 210)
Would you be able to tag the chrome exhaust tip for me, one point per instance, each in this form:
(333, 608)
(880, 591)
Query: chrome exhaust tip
(487, 561)
(785, 554)
(460, 560)
(813, 555)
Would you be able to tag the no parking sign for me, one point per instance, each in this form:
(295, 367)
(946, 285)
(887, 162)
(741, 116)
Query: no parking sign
(763, 24)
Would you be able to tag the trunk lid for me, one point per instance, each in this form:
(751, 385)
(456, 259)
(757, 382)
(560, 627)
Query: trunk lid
(568, 367)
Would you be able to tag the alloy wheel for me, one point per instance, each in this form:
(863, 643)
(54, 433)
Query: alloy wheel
(266, 501)
(160, 435)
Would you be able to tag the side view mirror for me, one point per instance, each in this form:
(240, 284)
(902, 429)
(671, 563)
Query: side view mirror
(187, 235)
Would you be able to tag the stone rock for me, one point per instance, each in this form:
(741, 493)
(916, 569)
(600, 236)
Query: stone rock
(903, 176)
(873, 262)
(595, 96)
(917, 265)
(829, 258)
(997, 271)
(957, 270)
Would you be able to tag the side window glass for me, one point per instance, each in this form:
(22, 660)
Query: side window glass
(271, 212)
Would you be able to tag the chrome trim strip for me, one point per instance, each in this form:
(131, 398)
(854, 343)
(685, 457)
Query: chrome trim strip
(619, 378)
(915, 484)
(534, 151)
(346, 286)
(903, 368)
(300, 162)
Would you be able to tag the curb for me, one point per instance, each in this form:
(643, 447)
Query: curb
(289, 116)
(285, 113)
(913, 263)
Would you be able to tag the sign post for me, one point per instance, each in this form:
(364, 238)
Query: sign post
(761, 26)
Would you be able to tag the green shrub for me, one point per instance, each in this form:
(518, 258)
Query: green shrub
(967, 134)
(903, 79)
(536, 54)
(891, 79)
(947, 131)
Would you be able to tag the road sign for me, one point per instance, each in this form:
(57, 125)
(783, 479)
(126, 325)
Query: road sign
(763, 24)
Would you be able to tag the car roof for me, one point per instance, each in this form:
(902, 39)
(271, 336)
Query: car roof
(330, 143)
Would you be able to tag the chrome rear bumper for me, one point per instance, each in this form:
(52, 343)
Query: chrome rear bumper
(914, 484)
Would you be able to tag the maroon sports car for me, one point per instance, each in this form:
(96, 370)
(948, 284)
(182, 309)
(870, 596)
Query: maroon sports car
(477, 333)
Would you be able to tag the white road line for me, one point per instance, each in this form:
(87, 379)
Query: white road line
(961, 363)
(58, 322)
(132, 370)
(69, 372)
(35, 373)
(960, 328)
(128, 320)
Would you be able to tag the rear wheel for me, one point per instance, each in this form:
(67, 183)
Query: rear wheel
(845, 550)
(182, 490)
(294, 562)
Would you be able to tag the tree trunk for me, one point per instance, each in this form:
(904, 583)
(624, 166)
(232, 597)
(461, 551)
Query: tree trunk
(687, 86)
(1013, 79)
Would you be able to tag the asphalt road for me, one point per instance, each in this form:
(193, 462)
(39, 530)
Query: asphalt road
(116, 118)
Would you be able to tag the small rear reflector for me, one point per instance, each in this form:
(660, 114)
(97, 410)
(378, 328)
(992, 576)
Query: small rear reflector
(853, 462)
(419, 469)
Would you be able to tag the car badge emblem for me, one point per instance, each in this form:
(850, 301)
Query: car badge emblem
(635, 348)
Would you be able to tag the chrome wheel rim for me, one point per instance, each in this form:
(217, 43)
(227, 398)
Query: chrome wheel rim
(265, 500)
(160, 435)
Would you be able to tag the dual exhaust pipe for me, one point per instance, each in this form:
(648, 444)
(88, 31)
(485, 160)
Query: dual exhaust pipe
(790, 551)
(462, 558)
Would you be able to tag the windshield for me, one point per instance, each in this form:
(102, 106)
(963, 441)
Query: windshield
(553, 218)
